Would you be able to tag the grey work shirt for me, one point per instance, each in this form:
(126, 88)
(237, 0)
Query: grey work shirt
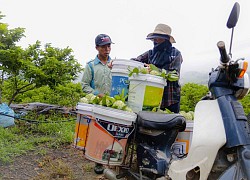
(102, 77)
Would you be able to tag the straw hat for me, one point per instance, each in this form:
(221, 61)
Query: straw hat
(161, 31)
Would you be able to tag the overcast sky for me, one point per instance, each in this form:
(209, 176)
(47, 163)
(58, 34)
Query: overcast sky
(197, 25)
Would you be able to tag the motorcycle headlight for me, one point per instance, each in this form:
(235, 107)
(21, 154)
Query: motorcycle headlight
(245, 86)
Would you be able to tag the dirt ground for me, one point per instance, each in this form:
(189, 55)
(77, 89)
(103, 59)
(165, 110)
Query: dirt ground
(65, 163)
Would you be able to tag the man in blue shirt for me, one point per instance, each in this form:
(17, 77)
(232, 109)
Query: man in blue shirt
(97, 74)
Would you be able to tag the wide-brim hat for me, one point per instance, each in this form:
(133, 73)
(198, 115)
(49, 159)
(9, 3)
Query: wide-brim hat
(162, 31)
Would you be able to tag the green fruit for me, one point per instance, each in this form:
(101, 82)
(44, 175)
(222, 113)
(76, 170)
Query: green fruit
(154, 72)
(172, 77)
(144, 70)
(84, 100)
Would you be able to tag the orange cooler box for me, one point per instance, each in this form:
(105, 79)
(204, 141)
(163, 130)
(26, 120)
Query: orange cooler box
(108, 134)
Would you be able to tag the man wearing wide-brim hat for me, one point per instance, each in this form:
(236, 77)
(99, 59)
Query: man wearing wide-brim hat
(165, 56)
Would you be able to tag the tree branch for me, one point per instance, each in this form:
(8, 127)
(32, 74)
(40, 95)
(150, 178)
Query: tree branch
(18, 91)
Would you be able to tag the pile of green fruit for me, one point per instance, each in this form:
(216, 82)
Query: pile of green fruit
(153, 70)
(116, 102)
(188, 115)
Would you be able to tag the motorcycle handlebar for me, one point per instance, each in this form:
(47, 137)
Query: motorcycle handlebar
(224, 58)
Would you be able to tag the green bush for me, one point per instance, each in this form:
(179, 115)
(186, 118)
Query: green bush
(63, 95)
(246, 104)
(191, 94)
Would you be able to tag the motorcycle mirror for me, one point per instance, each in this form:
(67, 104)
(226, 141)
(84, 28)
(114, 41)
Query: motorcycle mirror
(232, 21)
(234, 16)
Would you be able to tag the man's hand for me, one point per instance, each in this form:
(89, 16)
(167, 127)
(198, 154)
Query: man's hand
(147, 66)
(100, 95)
(110, 64)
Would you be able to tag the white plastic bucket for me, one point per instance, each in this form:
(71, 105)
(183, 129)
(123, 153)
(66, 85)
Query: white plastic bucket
(145, 91)
(83, 108)
(126, 63)
(120, 73)
(114, 115)
(183, 141)
(85, 116)
(120, 82)
(108, 135)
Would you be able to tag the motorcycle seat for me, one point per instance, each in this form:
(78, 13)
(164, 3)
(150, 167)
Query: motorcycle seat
(160, 121)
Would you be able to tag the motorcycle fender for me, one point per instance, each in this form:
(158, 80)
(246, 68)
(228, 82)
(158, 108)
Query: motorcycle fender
(208, 137)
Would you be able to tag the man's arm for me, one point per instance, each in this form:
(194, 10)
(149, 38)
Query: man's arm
(142, 58)
(176, 64)
(86, 80)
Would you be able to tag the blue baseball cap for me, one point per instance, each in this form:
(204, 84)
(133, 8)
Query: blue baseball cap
(102, 39)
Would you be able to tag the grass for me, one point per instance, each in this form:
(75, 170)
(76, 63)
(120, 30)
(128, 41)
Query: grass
(23, 137)
(55, 170)
(88, 168)
(12, 144)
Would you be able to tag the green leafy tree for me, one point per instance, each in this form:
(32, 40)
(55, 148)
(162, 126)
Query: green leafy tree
(63, 95)
(70, 92)
(9, 52)
(50, 66)
(43, 94)
(191, 94)
(33, 67)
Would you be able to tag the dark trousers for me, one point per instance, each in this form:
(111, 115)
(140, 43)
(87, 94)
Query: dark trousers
(175, 108)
